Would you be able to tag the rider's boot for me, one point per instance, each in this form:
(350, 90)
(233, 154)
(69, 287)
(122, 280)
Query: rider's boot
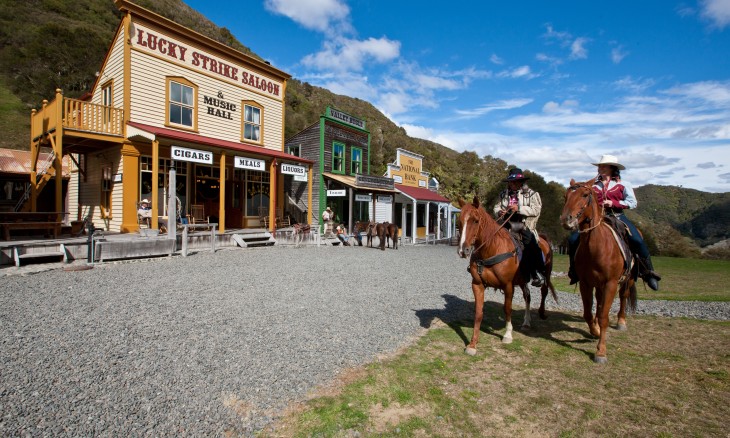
(538, 280)
(646, 272)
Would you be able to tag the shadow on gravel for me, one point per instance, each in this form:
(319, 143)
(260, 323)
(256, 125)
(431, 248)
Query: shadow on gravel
(458, 314)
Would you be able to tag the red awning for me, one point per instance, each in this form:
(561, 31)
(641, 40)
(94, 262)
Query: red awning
(208, 141)
(421, 194)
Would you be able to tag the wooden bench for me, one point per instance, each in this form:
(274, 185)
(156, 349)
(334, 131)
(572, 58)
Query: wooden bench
(49, 221)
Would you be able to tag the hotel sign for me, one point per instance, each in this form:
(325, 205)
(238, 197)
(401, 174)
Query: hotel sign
(336, 193)
(192, 155)
(375, 182)
(249, 163)
(345, 118)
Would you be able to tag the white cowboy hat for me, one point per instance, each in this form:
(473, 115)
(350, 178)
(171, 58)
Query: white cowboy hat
(328, 209)
(145, 201)
(611, 160)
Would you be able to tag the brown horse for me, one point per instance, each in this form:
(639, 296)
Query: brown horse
(391, 234)
(494, 262)
(599, 263)
(376, 229)
(357, 228)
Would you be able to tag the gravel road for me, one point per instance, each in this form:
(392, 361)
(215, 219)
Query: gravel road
(211, 343)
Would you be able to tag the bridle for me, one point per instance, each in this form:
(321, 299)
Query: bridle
(479, 228)
(581, 212)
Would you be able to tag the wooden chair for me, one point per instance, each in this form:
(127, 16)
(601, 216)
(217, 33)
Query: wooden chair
(197, 214)
(281, 220)
(264, 217)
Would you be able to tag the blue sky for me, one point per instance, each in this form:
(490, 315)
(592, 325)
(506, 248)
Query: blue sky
(549, 86)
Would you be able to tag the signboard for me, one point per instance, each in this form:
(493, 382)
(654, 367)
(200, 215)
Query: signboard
(375, 182)
(332, 193)
(302, 178)
(362, 198)
(385, 199)
(421, 183)
(291, 169)
(192, 155)
(249, 163)
(398, 179)
(345, 118)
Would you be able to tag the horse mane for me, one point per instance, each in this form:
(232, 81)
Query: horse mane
(488, 227)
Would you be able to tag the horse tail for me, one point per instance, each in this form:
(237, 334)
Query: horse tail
(633, 300)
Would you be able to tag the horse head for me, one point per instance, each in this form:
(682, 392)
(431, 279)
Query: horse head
(468, 224)
(580, 203)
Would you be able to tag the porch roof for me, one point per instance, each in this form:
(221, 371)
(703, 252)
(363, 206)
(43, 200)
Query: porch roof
(421, 194)
(209, 141)
(349, 181)
(18, 161)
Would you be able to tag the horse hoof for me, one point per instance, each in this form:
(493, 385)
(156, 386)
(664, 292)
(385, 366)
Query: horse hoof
(621, 327)
(526, 327)
(600, 360)
(507, 340)
(470, 351)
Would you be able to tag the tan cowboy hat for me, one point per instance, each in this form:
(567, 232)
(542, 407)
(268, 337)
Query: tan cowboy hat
(328, 209)
(610, 160)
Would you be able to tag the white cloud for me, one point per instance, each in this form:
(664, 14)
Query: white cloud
(708, 165)
(345, 54)
(711, 91)
(494, 59)
(319, 15)
(518, 72)
(716, 11)
(577, 48)
(500, 105)
(551, 34)
(634, 85)
(618, 54)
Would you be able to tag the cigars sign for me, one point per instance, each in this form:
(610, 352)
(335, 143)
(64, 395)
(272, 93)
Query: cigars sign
(152, 42)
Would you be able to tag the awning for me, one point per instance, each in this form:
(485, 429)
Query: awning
(349, 181)
(421, 194)
(152, 132)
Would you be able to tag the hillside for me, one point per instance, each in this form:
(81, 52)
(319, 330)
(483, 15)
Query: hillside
(49, 44)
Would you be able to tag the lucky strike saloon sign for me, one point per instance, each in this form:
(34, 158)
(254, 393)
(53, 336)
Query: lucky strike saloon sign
(152, 42)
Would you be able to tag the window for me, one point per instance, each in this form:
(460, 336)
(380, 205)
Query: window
(338, 158)
(181, 108)
(356, 161)
(107, 102)
(106, 192)
(163, 177)
(251, 122)
(296, 150)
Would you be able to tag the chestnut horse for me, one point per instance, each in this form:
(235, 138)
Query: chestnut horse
(391, 234)
(376, 229)
(494, 262)
(299, 232)
(598, 262)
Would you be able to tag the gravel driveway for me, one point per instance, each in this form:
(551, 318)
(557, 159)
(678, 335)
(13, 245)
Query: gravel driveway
(217, 342)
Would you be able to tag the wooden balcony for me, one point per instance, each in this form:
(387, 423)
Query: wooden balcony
(81, 117)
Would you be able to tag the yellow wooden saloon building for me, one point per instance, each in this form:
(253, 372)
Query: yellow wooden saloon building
(169, 98)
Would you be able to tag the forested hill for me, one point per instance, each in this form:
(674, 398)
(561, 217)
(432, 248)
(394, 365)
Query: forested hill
(49, 44)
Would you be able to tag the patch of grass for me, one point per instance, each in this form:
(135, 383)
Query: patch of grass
(549, 385)
(683, 279)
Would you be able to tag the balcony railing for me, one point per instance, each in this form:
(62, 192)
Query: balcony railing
(77, 115)
(91, 117)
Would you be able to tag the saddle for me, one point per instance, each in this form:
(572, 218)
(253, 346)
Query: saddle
(621, 234)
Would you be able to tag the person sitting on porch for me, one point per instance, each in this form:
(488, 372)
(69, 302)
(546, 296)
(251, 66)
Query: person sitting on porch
(341, 232)
(144, 212)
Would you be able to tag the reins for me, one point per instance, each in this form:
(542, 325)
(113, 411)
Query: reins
(489, 240)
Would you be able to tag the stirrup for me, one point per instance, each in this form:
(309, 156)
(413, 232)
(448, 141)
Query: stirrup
(538, 280)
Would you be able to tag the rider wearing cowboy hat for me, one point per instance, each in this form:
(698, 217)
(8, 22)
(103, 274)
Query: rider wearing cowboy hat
(521, 206)
(615, 196)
